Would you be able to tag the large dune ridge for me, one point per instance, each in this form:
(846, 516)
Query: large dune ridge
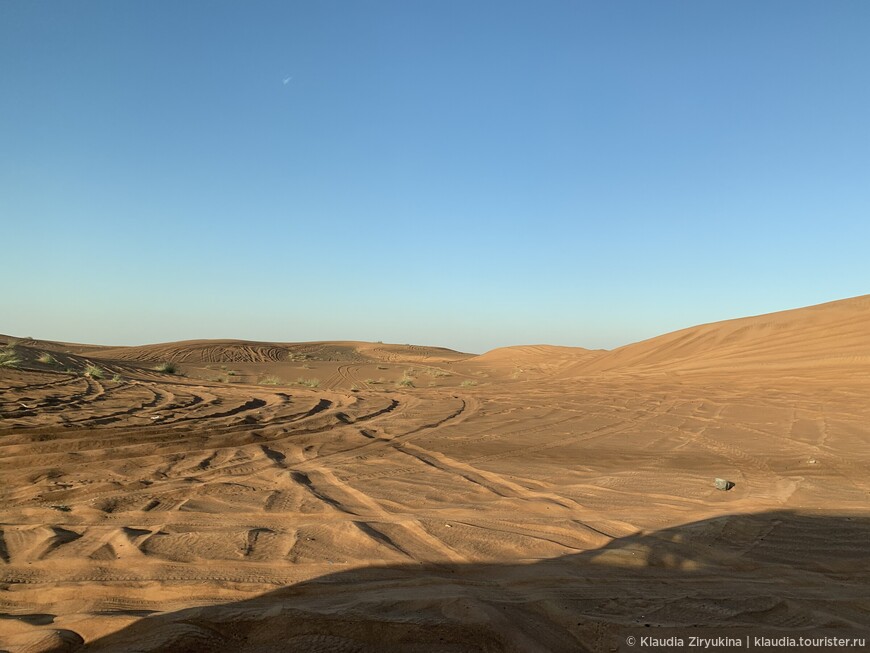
(831, 335)
(229, 495)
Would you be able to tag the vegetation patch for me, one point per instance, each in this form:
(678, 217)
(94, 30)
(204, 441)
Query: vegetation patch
(308, 383)
(407, 381)
(47, 359)
(9, 357)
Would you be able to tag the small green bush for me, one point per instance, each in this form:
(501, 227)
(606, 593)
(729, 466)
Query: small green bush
(468, 384)
(93, 371)
(166, 368)
(47, 359)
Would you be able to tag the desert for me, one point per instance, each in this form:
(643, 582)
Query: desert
(354, 496)
(434, 326)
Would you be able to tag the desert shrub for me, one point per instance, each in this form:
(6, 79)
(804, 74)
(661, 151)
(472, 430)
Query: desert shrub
(166, 367)
(270, 380)
(116, 378)
(468, 384)
(47, 359)
(407, 381)
(308, 383)
(9, 357)
(93, 371)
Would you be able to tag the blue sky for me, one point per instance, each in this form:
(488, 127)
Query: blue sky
(465, 174)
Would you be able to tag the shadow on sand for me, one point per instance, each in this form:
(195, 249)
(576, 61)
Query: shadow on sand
(783, 570)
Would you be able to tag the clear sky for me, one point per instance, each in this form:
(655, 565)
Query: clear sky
(461, 173)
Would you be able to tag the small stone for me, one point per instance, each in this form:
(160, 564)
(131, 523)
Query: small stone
(722, 484)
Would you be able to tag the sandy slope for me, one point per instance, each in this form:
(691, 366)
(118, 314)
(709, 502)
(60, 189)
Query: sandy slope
(469, 508)
(832, 335)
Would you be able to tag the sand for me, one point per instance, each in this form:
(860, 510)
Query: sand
(418, 499)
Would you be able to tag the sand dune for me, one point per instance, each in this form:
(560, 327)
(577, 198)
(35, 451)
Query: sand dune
(244, 351)
(828, 335)
(527, 362)
(361, 496)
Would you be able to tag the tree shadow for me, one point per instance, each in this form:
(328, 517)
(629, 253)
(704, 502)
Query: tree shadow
(783, 570)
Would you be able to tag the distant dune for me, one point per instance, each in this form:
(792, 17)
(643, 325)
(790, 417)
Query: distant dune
(522, 354)
(834, 334)
(831, 335)
(526, 362)
(244, 351)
